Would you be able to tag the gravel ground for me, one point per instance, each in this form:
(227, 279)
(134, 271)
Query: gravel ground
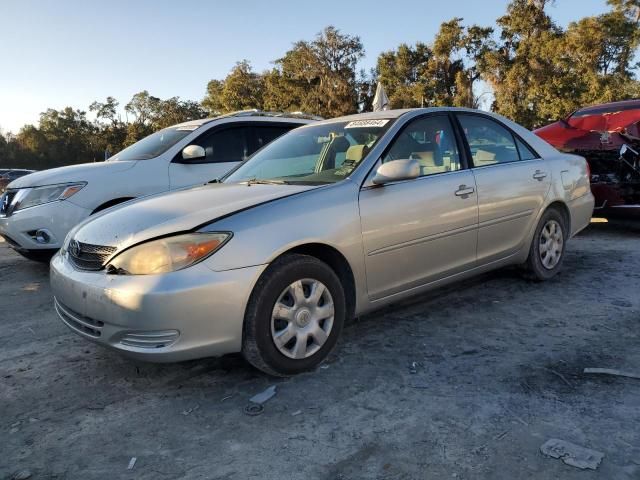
(498, 372)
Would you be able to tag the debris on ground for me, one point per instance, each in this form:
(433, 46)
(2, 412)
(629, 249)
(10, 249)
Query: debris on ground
(296, 413)
(254, 409)
(189, 410)
(256, 402)
(132, 463)
(572, 454)
(559, 375)
(612, 371)
(264, 396)
(227, 397)
(413, 368)
(21, 475)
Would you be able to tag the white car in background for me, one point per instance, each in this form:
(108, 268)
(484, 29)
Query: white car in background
(38, 210)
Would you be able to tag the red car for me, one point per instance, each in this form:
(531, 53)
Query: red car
(598, 133)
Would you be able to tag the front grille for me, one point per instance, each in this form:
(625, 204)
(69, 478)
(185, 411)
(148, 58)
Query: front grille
(89, 257)
(5, 202)
(79, 323)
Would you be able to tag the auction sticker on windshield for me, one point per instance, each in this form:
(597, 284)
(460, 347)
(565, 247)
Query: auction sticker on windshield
(367, 123)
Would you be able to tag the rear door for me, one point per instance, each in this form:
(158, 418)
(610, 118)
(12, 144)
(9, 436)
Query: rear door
(512, 182)
(417, 231)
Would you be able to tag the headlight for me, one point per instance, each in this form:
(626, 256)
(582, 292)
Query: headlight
(30, 197)
(167, 254)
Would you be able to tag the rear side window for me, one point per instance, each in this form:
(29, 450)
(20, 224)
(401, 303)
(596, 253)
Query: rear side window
(491, 143)
(525, 152)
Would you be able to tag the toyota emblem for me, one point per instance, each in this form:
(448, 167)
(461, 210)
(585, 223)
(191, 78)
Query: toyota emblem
(74, 248)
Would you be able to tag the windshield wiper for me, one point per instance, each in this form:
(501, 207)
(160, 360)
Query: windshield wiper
(256, 181)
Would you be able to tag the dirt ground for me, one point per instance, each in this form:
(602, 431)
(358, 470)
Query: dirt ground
(498, 372)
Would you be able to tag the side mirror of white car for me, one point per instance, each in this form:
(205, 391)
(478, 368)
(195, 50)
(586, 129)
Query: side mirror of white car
(193, 152)
(396, 170)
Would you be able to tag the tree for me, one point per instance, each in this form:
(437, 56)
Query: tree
(242, 89)
(443, 74)
(106, 111)
(520, 69)
(212, 102)
(317, 77)
(402, 72)
(540, 73)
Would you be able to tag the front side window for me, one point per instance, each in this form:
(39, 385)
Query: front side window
(317, 154)
(153, 145)
(228, 145)
(267, 134)
(490, 143)
(429, 140)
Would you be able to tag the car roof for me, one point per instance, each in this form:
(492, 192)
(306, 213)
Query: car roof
(610, 107)
(295, 117)
(393, 114)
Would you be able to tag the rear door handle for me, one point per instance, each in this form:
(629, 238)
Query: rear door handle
(539, 175)
(464, 191)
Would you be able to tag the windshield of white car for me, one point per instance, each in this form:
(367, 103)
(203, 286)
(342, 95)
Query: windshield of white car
(153, 145)
(312, 155)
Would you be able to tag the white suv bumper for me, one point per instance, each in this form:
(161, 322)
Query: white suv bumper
(55, 219)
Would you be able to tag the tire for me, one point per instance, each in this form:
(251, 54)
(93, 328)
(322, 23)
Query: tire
(544, 264)
(288, 284)
(42, 256)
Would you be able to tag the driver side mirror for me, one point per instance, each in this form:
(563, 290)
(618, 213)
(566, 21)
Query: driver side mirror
(396, 170)
(193, 152)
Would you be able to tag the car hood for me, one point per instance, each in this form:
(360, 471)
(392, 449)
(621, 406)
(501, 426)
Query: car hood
(84, 172)
(179, 211)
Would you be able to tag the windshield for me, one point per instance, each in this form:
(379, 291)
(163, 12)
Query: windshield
(154, 145)
(313, 155)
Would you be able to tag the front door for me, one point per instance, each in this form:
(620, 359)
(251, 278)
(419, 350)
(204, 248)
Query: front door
(420, 230)
(225, 147)
(512, 182)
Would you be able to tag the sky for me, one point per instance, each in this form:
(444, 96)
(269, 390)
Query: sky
(70, 53)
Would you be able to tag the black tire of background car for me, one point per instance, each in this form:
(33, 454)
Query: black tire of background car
(257, 345)
(42, 256)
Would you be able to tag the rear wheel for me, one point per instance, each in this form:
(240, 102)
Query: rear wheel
(548, 246)
(294, 317)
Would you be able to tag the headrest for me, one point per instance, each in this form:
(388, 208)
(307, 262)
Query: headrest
(484, 156)
(425, 159)
(355, 153)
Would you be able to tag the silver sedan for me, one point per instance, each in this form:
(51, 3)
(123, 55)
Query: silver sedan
(331, 220)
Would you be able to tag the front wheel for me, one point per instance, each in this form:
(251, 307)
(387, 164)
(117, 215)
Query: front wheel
(294, 317)
(548, 246)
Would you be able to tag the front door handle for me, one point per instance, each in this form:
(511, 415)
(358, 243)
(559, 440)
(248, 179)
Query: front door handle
(464, 191)
(539, 175)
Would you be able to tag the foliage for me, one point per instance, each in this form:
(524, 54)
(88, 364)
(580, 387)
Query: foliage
(537, 72)
(66, 136)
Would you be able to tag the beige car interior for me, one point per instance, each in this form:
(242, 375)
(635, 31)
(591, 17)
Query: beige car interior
(355, 153)
(433, 160)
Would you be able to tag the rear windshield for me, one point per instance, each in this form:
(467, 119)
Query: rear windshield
(153, 145)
